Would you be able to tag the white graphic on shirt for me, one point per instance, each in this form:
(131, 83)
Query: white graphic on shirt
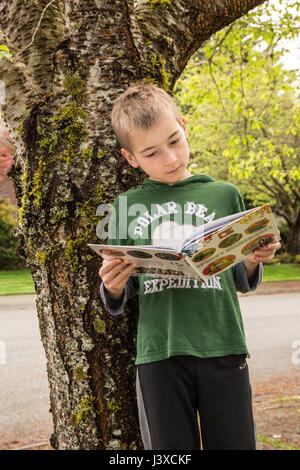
(170, 234)
(158, 284)
(183, 216)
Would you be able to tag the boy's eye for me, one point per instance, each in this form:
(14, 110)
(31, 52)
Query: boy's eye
(174, 142)
(151, 155)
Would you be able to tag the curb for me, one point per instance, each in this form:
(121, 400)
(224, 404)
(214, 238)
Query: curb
(32, 446)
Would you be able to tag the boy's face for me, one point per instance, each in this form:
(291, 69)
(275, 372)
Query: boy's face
(162, 151)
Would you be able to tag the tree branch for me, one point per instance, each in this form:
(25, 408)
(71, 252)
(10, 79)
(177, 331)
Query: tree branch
(272, 193)
(184, 25)
(20, 87)
(26, 76)
(219, 44)
(218, 90)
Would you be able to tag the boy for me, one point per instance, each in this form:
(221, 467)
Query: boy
(191, 350)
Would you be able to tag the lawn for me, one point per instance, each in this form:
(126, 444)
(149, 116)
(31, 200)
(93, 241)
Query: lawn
(20, 282)
(281, 272)
(16, 282)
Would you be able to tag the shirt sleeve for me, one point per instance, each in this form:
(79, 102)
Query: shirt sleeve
(242, 283)
(116, 306)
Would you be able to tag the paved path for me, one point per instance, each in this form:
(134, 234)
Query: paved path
(272, 324)
(24, 396)
(272, 327)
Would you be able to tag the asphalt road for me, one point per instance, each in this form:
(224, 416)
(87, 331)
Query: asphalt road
(272, 328)
(272, 325)
(24, 395)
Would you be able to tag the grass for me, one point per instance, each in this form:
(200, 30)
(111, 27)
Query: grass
(281, 272)
(16, 282)
(20, 282)
(274, 443)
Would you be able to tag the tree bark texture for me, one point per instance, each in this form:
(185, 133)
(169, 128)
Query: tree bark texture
(71, 59)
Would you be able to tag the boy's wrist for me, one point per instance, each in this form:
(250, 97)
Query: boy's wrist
(251, 264)
(114, 294)
(250, 267)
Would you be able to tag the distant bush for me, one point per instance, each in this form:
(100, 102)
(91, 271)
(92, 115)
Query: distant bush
(284, 234)
(8, 245)
(275, 260)
(9, 259)
(287, 258)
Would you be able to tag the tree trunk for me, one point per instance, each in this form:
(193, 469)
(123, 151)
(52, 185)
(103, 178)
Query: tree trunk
(71, 60)
(287, 206)
(293, 238)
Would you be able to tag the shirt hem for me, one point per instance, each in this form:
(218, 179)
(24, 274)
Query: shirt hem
(145, 359)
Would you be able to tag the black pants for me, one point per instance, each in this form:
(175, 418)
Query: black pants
(172, 392)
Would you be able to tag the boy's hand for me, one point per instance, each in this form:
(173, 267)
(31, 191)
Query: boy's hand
(115, 273)
(261, 255)
(265, 253)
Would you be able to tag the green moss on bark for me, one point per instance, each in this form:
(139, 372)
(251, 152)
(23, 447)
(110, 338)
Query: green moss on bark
(162, 4)
(84, 410)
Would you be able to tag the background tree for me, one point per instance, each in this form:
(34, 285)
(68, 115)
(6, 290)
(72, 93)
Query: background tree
(8, 243)
(6, 161)
(70, 60)
(242, 108)
(8, 209)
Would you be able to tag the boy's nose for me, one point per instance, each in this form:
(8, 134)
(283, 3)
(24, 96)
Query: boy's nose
(169, 157)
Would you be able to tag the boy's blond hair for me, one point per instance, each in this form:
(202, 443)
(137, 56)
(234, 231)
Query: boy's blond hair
(141, 106)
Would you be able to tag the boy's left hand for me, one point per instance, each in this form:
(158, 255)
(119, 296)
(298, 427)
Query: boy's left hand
(265, 253)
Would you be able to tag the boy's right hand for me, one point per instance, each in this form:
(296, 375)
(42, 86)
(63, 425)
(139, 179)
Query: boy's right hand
(115, 273)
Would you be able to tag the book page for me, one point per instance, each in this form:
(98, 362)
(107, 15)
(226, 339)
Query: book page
(206, 229)
(151, 261)
(231, 244)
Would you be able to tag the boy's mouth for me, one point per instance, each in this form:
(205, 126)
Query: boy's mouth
(173, 171)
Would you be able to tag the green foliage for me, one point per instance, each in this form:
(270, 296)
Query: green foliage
(241, 104)
(8, 256)
(242, 110)
(297, 259)
(6, 235)
(8, 242)
(4, 53)
(286, 258)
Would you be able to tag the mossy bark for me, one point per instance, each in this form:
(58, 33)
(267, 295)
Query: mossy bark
(59, 94)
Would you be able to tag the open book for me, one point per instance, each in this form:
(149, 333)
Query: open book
(208, 250)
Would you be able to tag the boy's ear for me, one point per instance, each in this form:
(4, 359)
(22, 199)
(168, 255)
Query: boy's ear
(130, 158)
(184, 127)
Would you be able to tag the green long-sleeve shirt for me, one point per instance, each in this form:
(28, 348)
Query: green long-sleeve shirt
(179, 316)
